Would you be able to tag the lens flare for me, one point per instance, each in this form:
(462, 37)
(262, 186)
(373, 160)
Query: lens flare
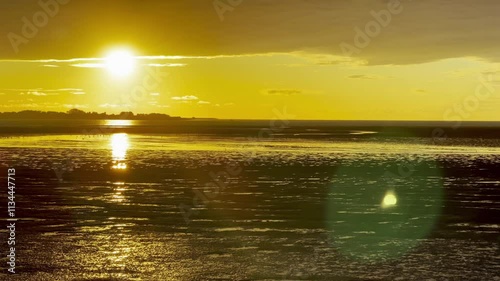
(390, 200)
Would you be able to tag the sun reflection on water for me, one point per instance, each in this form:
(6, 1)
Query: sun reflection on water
(118, 192)
(117, 248)
(119, 123)
(119, 147)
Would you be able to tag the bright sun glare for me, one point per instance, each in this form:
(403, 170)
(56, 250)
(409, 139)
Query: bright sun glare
(390, 200)
(120, 63)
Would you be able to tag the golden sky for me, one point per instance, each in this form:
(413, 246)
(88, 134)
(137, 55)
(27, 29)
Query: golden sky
(414, 60)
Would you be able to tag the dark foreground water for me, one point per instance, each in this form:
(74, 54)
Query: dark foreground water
(163, 207)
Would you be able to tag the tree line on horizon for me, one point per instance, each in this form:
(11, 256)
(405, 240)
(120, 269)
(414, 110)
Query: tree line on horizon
(80, 114)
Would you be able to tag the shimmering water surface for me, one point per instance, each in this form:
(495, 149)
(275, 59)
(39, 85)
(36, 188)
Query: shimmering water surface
(163, 207)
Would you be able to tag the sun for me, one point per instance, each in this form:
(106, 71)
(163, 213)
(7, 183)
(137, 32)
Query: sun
(120, 63)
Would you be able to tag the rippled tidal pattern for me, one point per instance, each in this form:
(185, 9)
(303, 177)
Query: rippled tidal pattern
(139, 207)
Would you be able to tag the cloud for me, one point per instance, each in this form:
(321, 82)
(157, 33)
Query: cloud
(328, 59)
(420, 91)
(203, 102)
(112, 105)
(152, 61)
(166, 64)
(22, 105)
(36, 93)
(364, 77)
(31, 105)
(75, 105)
(45, 92)
(88, 65)
(102, 65)
(282, 92)
(185, 98)
(426, 30)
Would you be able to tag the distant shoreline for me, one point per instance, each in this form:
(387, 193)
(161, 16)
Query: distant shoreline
(77, 114)
(436, 131)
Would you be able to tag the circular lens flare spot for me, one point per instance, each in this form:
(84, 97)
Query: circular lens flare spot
(390, 200)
